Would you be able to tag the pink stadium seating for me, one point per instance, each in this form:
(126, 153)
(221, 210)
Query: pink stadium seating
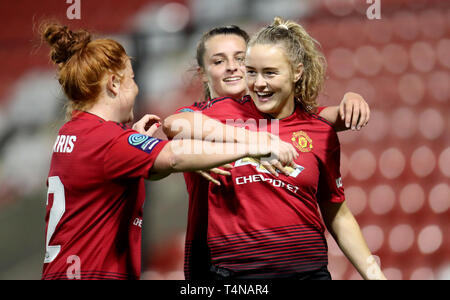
(396, 170)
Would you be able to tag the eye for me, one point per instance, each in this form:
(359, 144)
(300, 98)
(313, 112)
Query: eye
(218, 62)
(240, 59)
(251, 73)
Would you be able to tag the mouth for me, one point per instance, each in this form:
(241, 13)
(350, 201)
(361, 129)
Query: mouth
(264, 96)
(232, 79)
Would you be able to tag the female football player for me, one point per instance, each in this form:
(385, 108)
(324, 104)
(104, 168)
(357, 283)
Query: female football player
(220, 64)
(95, 183)
(265, 225)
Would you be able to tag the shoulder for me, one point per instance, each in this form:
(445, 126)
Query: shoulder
(321, 132)
(97, 130)
(321, 122)
(316, 121)
(226, 108)
(92, 124)
(224, 102)
(111, 130)
(204, 105)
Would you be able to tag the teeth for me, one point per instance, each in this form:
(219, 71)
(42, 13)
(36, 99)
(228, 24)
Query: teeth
(264, 94)
(232, 79)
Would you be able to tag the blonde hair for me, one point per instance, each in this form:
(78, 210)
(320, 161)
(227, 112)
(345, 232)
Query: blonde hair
(299, 47)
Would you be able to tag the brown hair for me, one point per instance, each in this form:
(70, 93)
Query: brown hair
(82, 62)
(299, 47)
(201, 48)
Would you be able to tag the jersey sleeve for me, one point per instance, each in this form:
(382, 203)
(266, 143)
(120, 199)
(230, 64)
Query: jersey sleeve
(196, 106)
(330, 186)
(132, 155)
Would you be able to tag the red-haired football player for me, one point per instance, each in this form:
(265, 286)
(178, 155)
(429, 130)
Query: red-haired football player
(98, 166)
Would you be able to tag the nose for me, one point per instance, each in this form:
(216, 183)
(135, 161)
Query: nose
(232, 66)
(260, 83)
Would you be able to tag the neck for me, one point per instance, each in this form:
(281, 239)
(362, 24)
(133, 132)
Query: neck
(287, 110)
(102, 109)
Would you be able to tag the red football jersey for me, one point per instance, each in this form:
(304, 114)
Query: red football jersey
(95, 197)
(197, 258)
(197, 253)
(262, 226)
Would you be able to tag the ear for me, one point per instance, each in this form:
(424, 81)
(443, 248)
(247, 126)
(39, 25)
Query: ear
(113, 84)
(202, 74)
(298, 71)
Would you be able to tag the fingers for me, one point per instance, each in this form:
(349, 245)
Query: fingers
(363, 116)
(220, 172)
(291, 154)
(355, 115)
(293, 165)
(282, 153)
(294, 152)
(208, 177)
(217, 171)
(368, 114)
(151, 131)
(360, 115)
(278, 165)
(148, 124)
(269, 168)
(348, 111)
(139, 126)
(151, 120)
(341, 110)
(355, 111)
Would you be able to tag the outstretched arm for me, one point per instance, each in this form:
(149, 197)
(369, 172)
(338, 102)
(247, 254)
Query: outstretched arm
(195, 125)
(184, 155)
(347, 234)
(227, 144)
(353, 112)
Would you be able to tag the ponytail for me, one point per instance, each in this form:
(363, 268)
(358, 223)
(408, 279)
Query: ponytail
(82, 62)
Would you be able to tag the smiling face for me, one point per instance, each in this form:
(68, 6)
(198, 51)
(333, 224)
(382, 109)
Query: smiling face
(271, 80)
(224, 69)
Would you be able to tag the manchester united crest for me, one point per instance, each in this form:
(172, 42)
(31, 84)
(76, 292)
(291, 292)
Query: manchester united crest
(302, 141)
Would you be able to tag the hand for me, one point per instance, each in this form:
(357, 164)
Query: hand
(354, 110)
(273, 165)
(279, 152)
(147, 125)
(218, 171)
(283, 154)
